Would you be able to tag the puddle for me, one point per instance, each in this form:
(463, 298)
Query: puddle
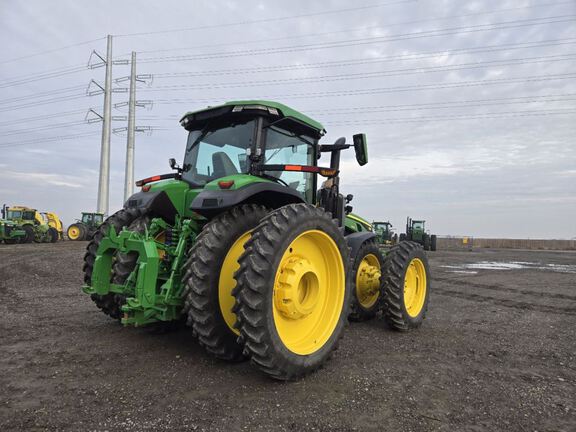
(509, 265)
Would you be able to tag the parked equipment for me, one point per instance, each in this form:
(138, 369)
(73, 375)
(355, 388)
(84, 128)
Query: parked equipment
(416, 232)
(54, 221)
(385, 233)
(241, 244)
(10, 232)
(84, 228)
(31, 221)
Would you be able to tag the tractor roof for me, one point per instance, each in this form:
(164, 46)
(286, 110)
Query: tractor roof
(271, 108)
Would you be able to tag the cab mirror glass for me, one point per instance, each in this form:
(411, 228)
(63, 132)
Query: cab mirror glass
(361, 148)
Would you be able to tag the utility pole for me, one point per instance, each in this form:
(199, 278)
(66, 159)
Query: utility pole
(106, 118)
(129, 179)
(104, 179)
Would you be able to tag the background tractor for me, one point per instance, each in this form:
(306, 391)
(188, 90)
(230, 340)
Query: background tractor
(32, 223)
(385, 233)
(416, 232)
(84, 228)
(242, 244)
(10, 232)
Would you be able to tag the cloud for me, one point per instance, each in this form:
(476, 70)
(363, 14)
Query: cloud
(45, 178)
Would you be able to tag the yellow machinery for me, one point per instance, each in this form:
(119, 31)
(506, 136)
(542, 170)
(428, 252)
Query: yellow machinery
(33, 223)
(54, 221)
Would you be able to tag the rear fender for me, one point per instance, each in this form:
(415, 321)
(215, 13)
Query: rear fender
(356, 240)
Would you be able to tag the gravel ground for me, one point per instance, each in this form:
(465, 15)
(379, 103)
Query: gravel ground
(497, 352)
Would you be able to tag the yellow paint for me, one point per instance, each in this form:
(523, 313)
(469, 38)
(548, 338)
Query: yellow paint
(415, 285)
(227, 283)
(73, 232)
(368, 281)
(309, 291)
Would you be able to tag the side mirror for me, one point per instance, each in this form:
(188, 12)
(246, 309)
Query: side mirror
(348, 209)
(361, 148)
(172, 163)
(349, 198)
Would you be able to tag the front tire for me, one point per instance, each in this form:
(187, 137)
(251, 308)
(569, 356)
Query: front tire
(406, 279)
(291, 297)
(209, 280)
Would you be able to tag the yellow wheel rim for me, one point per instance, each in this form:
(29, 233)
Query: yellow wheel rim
(415, 287)
(227, 283)
(309, 291)
(73, 233)
(368, 281)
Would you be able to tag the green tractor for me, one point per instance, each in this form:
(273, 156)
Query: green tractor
(385, 233)
(85, 228)
(36, 228)
(10, 232)
(416, 232)
(242, 245)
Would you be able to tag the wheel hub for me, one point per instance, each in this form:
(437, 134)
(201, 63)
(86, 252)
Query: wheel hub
(296, 293)
(369, 279)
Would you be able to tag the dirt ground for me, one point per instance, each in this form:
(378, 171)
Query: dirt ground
(497, 352)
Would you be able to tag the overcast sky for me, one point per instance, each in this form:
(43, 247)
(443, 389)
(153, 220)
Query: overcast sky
(469, 106)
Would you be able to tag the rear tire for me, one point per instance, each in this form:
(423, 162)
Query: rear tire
(76, 232)
(53, 235)
(426, 242)
(110, 303)
(406, 279)
(209, 280)
(29, 238)
(291, 295)
(402, 237)
(366, 282)
(433, 242)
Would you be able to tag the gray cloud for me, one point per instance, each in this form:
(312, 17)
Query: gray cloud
(486, 169)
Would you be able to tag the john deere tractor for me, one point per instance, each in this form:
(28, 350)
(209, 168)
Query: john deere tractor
(241, 244)
(32, 223)
(385, 233)
(84, 228)
(10, 232)
(416, 232)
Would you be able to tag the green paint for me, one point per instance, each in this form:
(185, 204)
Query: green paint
(286, 111)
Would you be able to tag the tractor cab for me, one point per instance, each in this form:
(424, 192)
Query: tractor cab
(242, 143)
(24, 214)
(92, 218)
(415, 228)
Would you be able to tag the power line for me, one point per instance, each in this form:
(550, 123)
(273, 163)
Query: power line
(377, 90)
(45, 102)
(42, 128)
(265, 20)
(569, 97)
(37, 118)
(448, 104)
(371, 60)
(48, 139)
(51, 50)
(364, 41)
(43, 76)
(366, 75)
(491, 115)
(381, 26)
(41, 94)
